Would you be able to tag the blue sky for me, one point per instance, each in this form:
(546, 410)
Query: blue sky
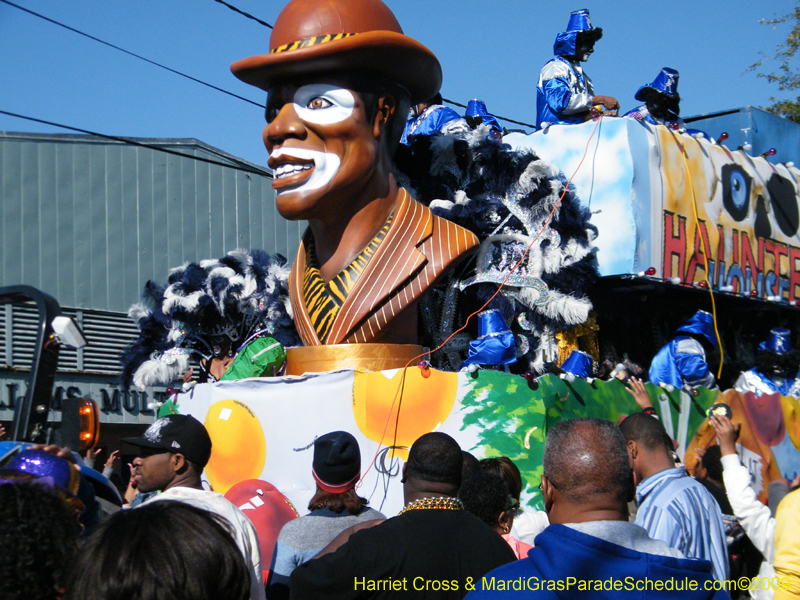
(488, 50)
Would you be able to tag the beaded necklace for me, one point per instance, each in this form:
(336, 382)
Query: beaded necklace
(444, 503)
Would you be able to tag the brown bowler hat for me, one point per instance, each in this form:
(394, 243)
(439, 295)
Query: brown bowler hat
(311, 37)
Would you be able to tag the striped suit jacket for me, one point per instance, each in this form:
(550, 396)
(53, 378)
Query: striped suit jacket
(418, 249)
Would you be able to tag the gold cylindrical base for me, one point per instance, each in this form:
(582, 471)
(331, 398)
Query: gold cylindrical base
(373, 357)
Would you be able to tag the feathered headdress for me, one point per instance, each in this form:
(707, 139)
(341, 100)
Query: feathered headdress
(506, 198)
(207, 306)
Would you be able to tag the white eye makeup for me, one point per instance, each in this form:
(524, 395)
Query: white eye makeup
(323, 104)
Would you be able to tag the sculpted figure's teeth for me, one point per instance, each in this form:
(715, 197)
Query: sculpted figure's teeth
(290, 169)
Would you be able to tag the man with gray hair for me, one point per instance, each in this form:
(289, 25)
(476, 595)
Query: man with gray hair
(590, 549)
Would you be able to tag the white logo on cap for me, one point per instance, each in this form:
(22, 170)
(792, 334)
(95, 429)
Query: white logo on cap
(175, 444)
(153, 433)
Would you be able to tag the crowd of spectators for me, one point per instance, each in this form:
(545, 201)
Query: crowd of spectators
(462, 529)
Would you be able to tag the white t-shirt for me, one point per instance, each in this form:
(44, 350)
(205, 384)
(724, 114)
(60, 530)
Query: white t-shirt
(529, 524)
(243, 530)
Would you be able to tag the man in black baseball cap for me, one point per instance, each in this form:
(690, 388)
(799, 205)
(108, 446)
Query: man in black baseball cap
(173, 452)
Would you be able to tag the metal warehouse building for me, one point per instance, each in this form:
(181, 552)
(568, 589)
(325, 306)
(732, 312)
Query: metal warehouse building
(89, 220)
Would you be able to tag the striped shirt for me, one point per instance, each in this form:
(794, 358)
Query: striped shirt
(676, 509)
(323, 299)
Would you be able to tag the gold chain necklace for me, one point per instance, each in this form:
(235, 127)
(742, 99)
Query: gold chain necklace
(444, 503)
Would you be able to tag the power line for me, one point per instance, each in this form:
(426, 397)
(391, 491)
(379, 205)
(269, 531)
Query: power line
(494, 115)
(241, 12)
(152, 62)
(214, 87)
(239, 166)
(249, 16)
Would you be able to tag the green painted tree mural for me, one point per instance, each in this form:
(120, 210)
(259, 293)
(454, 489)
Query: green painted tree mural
(514, 416)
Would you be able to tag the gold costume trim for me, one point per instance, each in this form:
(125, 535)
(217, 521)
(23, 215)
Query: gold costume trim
(330, 357)
(312, 41)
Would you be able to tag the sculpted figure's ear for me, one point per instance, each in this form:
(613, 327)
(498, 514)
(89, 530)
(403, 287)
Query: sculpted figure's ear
(386, 108)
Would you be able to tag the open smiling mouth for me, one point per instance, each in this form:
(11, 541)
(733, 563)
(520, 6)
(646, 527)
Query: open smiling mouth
(298, 169)
(288, 169)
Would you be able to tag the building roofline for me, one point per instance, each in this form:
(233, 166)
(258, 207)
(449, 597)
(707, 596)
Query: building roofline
(733, 111)
(157, 142)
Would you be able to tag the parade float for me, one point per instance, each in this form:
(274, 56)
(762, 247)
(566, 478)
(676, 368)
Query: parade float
(262, 428)
(599, 237)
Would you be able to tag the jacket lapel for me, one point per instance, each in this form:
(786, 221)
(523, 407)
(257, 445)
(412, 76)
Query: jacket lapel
(394, 261)
(301, 319)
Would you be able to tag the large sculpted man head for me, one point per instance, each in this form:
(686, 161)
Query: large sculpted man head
(337, 76)
(340, 76)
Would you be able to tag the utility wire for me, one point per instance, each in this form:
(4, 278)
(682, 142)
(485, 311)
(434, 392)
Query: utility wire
(241, 12)
(494, 115)
(237, 166)
(219, 89)
(249, 16)
(152, 62)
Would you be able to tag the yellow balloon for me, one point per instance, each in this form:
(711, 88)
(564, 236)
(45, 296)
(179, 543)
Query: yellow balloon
(238, 447)
(424, 403)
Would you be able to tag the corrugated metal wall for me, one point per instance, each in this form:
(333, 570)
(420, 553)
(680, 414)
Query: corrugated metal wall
(89, 221)
(106, 333)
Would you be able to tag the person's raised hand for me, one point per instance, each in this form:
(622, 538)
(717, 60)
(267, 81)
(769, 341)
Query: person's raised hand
(637, 389)
(112, 458)
(727, 433)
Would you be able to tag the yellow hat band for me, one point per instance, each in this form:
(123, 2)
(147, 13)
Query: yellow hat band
(313, 41)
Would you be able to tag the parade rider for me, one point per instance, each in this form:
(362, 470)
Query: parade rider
(565, 93)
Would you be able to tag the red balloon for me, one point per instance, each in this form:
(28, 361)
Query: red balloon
(267, 508)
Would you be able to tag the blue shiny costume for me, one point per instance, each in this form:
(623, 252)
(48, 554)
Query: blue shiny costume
(434, 119)
(666, 83)
(757, 382)
(564, 92)
(477, 108)
(641, 114)
(495, 344)
(578, 363)
(682, 362)
(754, 380)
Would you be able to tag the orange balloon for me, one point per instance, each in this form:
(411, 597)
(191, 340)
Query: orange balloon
(238, 447)
(424, 402)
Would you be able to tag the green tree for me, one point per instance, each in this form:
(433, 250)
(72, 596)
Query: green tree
(787, 75)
